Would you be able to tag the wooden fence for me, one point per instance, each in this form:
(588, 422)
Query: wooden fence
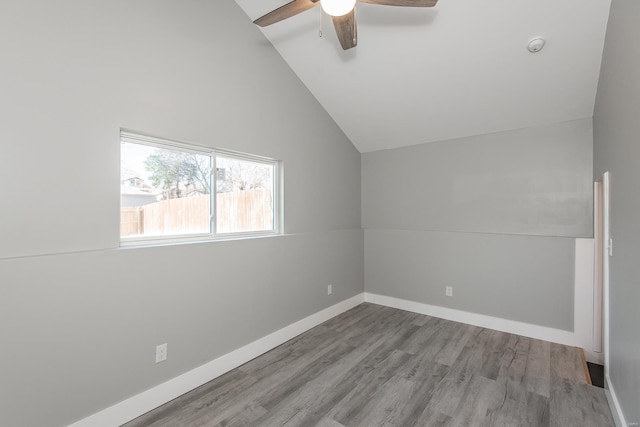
(237, 211)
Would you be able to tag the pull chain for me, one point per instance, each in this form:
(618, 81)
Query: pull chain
(355, 36)
(320, 30)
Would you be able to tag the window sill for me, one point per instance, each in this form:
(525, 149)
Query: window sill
(182, 240)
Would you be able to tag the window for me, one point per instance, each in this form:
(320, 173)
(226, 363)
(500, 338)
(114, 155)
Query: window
(166, 192)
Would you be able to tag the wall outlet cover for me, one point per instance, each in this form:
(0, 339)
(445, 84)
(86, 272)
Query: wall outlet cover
(161, 353)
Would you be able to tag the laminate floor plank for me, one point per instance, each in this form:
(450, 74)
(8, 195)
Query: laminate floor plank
(199, 399)
(424, 382)
(341, 377)
(538, 370)
(578, 404)
(366, 393)
(439, 340)
(477, 399)
(362, 314)
(376, 360)
(281, 384)
(518, 405)
(488, 347)
(290, 352)
(459, 338)
(328, 422)
(303, 376)
(377, 366)
(225, 405)
(425, 334)
(531, 411)
(386, 400)
(422, 320)
(566, 363)
(318, 393)
(450, 393)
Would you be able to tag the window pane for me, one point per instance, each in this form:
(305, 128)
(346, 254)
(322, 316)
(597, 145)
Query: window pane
(163, 192)
(244, 195)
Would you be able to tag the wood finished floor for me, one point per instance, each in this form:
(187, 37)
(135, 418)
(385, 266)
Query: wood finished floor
(378, 366)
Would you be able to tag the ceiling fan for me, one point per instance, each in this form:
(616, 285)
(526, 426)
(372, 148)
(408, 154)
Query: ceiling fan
(342, 13)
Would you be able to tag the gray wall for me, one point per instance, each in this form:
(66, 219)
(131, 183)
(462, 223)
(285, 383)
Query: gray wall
(535, 181)
(524, 278)
(617, 149)
(494, 216)
(79, 317)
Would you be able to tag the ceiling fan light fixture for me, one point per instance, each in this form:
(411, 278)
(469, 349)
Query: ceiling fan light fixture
(337, 7)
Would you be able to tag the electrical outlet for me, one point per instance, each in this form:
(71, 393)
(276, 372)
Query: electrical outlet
(448, 291)
(161, 353)
(329, 289)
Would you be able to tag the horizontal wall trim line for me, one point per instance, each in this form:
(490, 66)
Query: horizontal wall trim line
(192, 242)
(494, 233)
(142, 403)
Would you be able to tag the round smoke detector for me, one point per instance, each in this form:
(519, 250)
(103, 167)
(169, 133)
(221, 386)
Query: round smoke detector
(536, 45)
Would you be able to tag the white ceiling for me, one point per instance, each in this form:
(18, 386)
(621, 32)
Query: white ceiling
(459, 69)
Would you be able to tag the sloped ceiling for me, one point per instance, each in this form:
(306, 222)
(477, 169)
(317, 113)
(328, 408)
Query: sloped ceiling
(461, 68)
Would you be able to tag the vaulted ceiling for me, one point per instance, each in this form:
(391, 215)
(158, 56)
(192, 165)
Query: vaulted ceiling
(461, 68)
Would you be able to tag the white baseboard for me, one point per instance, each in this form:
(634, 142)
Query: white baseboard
(614, 405)
(498, 324)
(581, 336)
(142, 403)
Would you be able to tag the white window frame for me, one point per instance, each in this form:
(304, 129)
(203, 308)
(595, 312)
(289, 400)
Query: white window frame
(127, 136)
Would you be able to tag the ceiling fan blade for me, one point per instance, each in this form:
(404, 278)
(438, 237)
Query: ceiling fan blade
(346, 29)
(408, 3)
(287, 11)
